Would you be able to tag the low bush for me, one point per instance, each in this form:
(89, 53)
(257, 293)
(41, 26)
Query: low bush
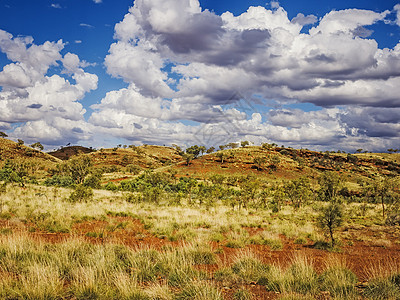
(81, 194)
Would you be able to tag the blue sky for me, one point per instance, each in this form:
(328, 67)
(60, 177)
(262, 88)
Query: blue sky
(323, 75)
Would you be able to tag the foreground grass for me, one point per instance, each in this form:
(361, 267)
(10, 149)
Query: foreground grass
(77, 269)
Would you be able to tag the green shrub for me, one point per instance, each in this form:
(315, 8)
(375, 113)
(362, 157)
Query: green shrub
(110, 186)
(300, 241)
(61, 181)
(81, 194)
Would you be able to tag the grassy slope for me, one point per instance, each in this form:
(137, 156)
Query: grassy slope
(11, 150)
(292, 163)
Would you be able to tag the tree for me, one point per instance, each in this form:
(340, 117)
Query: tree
(13, 172)
(298, 191)
(233, 145)
(194, 150)
(3, 135)
(37, 146)
(79, 167)
(331, 218)
(244, 143)
(178, 149)
(383, 189)
(330, 184)
(221, 155)
(202, 149)
(210, 150)
(278, 196)
(188, 157)
(259, 161)
(20, 143)
(249, 188)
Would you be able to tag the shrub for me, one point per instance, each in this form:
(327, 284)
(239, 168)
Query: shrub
(81, 194)
(61, 181)
(110, 186)
(330, 218)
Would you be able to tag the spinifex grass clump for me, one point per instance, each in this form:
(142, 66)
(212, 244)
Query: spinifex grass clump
(249, 268)
(385, 282)
(200, 291)
(299, 277)
(338, 280)
(80, 270)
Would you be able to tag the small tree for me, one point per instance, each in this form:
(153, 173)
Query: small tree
(3, 135)
(298, 191)
(178, 149)
(79, 167)
(331, 218)
(259, 161)
(194, 150)
(202, 149)
(244, 143)
(221, 155)
(210, 150)
(330, 184)
(37, 146)
(20, 143)
(233, 145)
(274, 162)
(188, 157)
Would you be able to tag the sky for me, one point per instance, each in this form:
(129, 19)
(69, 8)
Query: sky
(322, 75)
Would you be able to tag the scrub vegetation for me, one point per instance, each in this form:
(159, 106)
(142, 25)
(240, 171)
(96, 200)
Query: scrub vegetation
(244, 222)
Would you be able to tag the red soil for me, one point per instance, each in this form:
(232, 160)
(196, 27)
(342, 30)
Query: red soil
(360, 256)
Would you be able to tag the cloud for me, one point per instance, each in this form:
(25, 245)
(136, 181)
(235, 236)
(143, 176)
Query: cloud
(56, 5)
(260, 52)
(187, 70)
(275, 4)
(304, 20)
(97, 1)
(86, 25)
(44, 104)
(397, 10)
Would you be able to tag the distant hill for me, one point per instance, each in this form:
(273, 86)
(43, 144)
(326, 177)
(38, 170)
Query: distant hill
(11, 150)
(145, 157)
(286, 163)
(270, 163)
(65, 153)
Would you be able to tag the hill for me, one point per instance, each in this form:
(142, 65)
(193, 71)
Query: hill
(64, 153)
(144, 157)
(12, 150)
(287, 163)
(273, 163)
